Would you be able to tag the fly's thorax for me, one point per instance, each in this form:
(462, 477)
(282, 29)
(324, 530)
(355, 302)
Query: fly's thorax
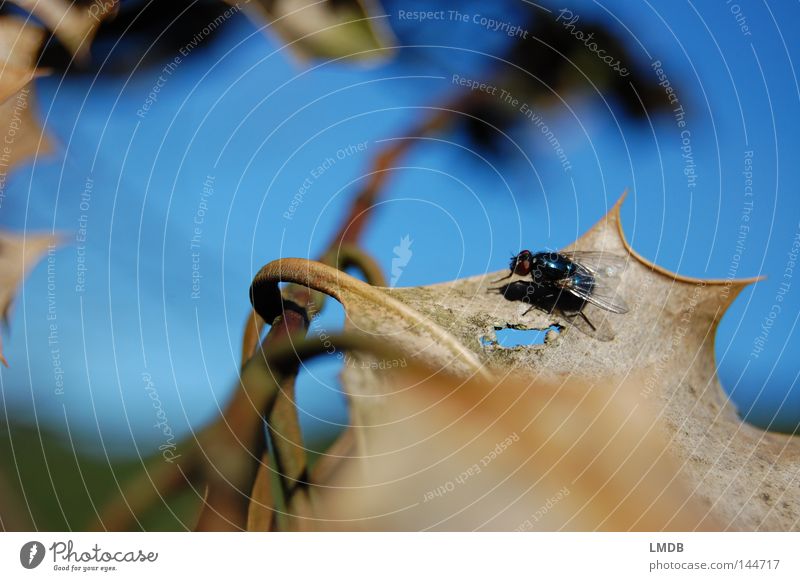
(551, 266)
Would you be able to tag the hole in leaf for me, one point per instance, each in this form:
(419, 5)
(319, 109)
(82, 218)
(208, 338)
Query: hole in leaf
(509, 337)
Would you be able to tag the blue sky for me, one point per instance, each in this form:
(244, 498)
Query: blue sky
(243, 119)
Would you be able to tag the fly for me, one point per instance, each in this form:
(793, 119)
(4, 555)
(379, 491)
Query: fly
(567, 282)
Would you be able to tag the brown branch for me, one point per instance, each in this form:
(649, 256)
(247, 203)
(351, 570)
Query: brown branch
(252, 333)
(361, 208)
(283, 424)
(235, 448)
(261, 511)
(351, 256)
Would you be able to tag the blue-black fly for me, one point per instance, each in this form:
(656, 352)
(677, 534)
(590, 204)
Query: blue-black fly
(567, 282)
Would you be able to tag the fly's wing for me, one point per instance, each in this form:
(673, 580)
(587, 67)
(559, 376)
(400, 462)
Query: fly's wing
(598, 288)
(602, 295)
(600, 264)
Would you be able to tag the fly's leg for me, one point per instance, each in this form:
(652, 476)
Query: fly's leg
(548, 311)
(528, 300)
(499, 279)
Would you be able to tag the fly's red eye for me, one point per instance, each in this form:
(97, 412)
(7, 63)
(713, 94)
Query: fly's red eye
(522, 266)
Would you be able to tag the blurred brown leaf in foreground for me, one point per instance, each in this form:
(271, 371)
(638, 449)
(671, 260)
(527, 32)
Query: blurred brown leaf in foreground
(511, 455)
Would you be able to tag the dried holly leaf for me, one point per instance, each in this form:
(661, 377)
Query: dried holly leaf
(742, 475)
(667, 339)
(353, 29)
(18, 254)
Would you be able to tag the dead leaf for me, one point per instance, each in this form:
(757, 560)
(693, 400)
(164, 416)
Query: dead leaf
(742, 476)
(18, 255)
(352, 29)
